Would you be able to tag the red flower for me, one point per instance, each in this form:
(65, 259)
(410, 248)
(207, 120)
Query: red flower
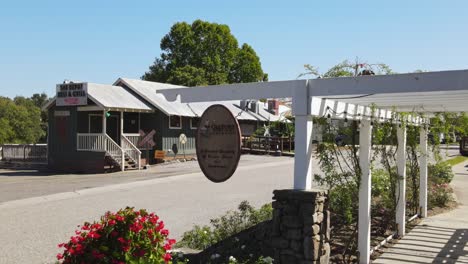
(119, 218)
(154, 219)
(125, 248)
(160, 226)
(59, 256)
(171, 241)
(167, 257)
(96, 226)
(165, 232)
(139, 253)
(167, 247)
(93, 234)
(114, 233)
(111, 222)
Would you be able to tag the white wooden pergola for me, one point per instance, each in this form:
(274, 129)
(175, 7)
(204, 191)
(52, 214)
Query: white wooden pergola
(352, 97)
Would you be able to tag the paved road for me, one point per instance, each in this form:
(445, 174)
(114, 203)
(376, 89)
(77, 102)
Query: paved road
(31, 228)
(438, 239)
(20, 184)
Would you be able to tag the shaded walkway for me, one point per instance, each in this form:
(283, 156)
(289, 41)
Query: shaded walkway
(438, 239)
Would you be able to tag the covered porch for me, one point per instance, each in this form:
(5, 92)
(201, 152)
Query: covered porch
(111, 124)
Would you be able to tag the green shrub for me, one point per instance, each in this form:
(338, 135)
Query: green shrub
(440, 173)
(233, 222)
(440, 195)
(343, 202)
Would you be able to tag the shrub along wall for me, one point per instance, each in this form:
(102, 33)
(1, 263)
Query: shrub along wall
(298, 233)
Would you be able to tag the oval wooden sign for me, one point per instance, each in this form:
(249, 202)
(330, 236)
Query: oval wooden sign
(218, 143)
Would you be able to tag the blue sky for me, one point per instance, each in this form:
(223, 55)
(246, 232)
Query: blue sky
(44, 42)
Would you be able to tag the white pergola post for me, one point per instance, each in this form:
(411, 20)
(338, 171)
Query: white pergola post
(401, 182)
(302, 139)
(364, 220)
(423, 172)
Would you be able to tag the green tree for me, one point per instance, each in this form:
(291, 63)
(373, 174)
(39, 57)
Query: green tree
(348, 69)
(204, 53)
(20, 121)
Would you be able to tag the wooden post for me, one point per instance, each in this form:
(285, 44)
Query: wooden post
(104, 123)
(281, 142)
(364, 220)
(401, 183)
(290, 144)
(423, 172)
(121, 143)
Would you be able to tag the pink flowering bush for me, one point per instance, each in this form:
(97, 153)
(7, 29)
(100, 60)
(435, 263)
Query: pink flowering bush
(127, 236)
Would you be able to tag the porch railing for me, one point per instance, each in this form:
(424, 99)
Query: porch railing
(131, 150)
(101, 142)
(133, 138)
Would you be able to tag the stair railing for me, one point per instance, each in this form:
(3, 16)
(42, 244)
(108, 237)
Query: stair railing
(101, 142)
(131, 150)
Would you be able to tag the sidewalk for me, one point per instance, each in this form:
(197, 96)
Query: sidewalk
(438, 239)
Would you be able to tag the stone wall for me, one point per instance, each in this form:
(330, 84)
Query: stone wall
(301, 227)
(298, 233)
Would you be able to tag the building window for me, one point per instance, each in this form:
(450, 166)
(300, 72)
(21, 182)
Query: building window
(175, 122)
(194, 122)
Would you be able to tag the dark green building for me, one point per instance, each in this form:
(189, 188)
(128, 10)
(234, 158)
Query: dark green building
(94, 127)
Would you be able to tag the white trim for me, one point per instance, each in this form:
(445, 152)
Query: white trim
(171, 127)
(89, 108)
(191, 125)
(89, 121)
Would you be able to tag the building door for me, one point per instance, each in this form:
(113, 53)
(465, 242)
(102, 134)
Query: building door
(95, 123)
(113, 128)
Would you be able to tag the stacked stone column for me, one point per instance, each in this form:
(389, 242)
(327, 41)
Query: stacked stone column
(301, 226)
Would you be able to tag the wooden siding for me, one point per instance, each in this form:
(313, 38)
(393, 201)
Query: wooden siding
(62, 153)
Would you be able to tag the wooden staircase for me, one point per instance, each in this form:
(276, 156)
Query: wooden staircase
(116, 157)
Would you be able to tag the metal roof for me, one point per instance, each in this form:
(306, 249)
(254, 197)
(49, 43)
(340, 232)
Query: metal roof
(115, 97)
(148, 91)
(111, 97)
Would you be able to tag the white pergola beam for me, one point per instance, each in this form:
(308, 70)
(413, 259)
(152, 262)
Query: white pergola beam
(239, 91)
(401, 181)
(386, 84)
(423, 172)
(364, 220)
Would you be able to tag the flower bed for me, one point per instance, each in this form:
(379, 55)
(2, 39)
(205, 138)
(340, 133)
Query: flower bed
(127, 236)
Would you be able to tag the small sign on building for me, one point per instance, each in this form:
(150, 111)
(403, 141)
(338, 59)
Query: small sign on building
(159, 154)
(70, 94)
